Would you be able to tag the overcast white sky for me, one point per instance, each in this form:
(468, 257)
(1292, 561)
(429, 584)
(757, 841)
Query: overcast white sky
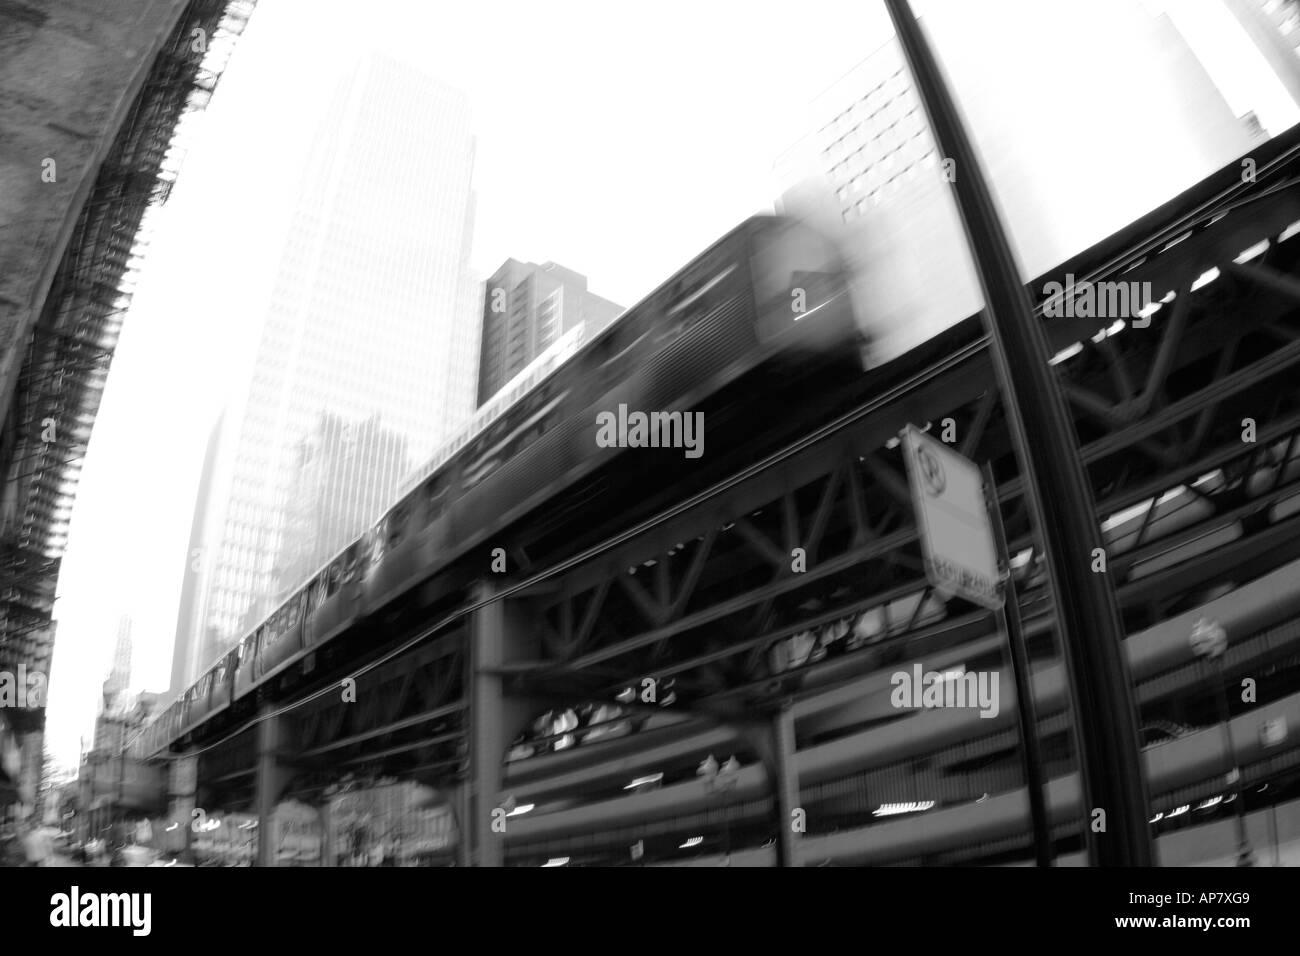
(616, 139)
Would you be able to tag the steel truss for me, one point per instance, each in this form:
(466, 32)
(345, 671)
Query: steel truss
(708, 596)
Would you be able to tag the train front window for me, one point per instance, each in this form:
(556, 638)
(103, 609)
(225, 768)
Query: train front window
(794, 268)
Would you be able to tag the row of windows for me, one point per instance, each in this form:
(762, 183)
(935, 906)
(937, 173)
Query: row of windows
(876, 179)
(855, 208)
(887, 142)
(887, 90)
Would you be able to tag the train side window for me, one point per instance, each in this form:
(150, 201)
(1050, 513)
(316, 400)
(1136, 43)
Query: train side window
(397, 524)
(435, 497)
(685, 303)
(352, 562)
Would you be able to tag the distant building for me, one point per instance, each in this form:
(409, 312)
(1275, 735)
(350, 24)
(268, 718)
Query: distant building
(121, 713)
(369, 317)
(528, 307)
(1274, 27)
(112, 732)
(111, 785)
(114, 729)
(344, 476)
(119, 677)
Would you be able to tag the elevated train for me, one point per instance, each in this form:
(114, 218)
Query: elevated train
(770, 291)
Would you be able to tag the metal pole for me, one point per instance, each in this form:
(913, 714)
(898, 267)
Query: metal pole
(1056, 490)
(1009, 621)
(1245, 855)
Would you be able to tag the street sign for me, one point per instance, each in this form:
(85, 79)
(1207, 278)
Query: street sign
(952, 514)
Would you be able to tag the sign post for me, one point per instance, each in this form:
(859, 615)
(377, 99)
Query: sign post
(965, 553)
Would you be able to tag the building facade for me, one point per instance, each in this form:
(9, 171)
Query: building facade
(344, 474)
(870, 173)
(527, 308)
(119, 677)
(1274, 27)
(365, 321)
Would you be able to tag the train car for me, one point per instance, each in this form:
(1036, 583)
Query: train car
(772, 290)
(409, 540)
(339, 592)
(282, 636)
(210, 695)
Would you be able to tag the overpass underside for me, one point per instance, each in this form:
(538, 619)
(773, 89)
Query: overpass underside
(93, 94)
(757, 606)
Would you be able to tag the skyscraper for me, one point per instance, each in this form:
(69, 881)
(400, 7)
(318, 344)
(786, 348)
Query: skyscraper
(365, 322)
(527, 308)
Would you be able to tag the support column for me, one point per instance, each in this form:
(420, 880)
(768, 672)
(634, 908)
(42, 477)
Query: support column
(785, 782)
(498, 635)
(271, 780)
(182, 798)
(460, 804)
(487, 733)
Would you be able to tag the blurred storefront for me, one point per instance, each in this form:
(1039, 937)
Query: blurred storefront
(297, 834)
(229, 840)
(397, 823)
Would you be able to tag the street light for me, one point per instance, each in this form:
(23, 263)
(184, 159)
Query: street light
(1055, 485)
(1209, 640)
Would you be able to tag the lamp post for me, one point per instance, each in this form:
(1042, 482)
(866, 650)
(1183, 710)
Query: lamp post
(1209, 640)
(1055, 488)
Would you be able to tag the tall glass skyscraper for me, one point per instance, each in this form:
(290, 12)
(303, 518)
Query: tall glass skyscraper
(370, 325)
